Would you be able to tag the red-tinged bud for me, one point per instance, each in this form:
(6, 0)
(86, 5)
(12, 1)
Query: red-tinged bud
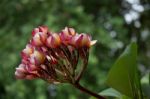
(39, 35)
(20, 72)
(21, 68)
(71, 31)
(53, 40)
(74, 40)
(67, 34)
(43, 29)
(37, 58)
(36, 30)
(19, 75)
(39, 39)
(82, 40)
(27, 51)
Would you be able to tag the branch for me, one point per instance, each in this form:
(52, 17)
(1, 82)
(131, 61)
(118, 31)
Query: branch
(77, 85)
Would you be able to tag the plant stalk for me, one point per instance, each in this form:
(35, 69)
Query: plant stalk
(81, 88)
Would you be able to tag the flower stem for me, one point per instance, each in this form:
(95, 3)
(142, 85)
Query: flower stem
(81, 88)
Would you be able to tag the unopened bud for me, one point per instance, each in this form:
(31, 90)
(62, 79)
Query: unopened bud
(53, 40)
(43, 29)
(82, 40)
(20, 72)
(37, 58)
(39, 39)
(67, 34)
(27, 51)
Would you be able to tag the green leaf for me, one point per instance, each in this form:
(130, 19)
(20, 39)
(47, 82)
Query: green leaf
(111, 92)
(123, 74)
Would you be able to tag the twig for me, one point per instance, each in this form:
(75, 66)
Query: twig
(77, 85)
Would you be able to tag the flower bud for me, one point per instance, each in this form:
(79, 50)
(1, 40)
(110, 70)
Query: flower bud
(53, 40)
(82, 40)
(27, 51)
(43, 29)
(39, 35)
(20, 72)
(39, 39)
(37, 58)
(36, 30)
(67, 34)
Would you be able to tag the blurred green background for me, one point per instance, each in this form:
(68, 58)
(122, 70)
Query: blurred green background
(114, 23)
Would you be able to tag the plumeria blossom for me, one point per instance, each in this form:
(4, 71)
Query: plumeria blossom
(82, 40)
(39, 35)
(54, 57)
(67, 34)
(53, 41)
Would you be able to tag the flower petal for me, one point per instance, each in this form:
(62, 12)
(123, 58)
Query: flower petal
(93, 42)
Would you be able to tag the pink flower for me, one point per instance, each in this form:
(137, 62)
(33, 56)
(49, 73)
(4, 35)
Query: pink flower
(37, 58)
(22, 73)
(67, 34)
(54, 56)
(82, 40)
(53, 40)
(27, 51)
(43, 29)
(39, 35)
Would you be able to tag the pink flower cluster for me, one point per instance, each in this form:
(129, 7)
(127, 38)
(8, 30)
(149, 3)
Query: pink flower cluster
(54, 57)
